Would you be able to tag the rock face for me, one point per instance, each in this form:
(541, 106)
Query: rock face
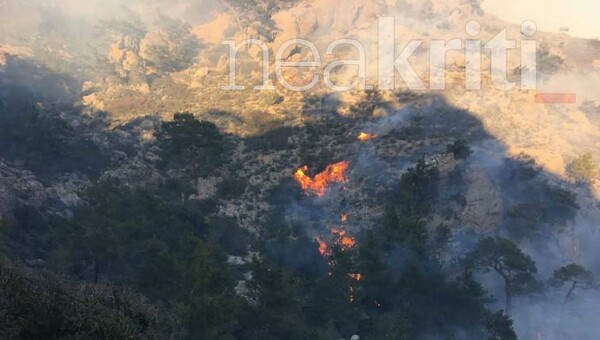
(153, 42)
(18, 187)
(63, 194)
(483, 208)
(206, 188)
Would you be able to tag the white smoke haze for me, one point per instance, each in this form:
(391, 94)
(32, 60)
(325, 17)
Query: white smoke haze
(577, 18)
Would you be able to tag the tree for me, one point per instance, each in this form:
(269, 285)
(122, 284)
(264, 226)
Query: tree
(334, 294)
(376, 276)
(417, 188)
(277, 311)
(499, 327)
(132, 28)
(441, 238)
(505, 258)
(577, 276)
(133, 236)
(245, 11)
(46, 143)
(206, 298)
(460, 149)
(188, 143)
(408, 230)
(172, 47)
(583, 169)
(42, 305)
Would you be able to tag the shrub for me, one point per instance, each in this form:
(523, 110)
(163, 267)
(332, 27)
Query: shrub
(38, 305)
(197, 146)
(583, 169)
(460, 149)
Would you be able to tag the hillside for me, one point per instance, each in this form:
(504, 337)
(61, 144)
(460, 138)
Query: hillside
(281, 214)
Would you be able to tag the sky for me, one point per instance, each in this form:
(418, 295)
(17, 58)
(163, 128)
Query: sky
(582, 17)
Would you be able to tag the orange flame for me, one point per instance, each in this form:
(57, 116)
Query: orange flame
(363, 136)
(356, 276)
(317, 185)
(338, 232)
(322, 247)
(344, 218)
(343, 241)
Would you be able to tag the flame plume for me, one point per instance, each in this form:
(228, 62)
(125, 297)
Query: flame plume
(356, 276)
(343, 241)
(363, 136)
(322, 247)
(333, 173)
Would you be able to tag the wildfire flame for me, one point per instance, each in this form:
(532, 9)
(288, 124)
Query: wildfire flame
(343, 241)
(322, 247)
(333, 173)
(318, 185)
(356, 276)
(363, 136)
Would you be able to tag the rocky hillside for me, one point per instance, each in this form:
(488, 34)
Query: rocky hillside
(111, 134)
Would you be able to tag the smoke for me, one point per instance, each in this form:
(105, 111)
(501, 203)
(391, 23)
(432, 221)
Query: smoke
(577, 18)
(78, 19)
(585, 85)
(565, 235)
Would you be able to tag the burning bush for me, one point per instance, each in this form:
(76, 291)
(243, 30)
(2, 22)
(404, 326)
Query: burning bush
(364, 137)
(333, 173)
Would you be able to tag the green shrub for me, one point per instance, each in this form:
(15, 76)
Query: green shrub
(583, 169)
(460, 149)
(193, 145)
(40, 305)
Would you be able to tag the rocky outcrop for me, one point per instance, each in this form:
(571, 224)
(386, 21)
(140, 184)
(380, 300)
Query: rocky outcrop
(17, 187)
(483, 203)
